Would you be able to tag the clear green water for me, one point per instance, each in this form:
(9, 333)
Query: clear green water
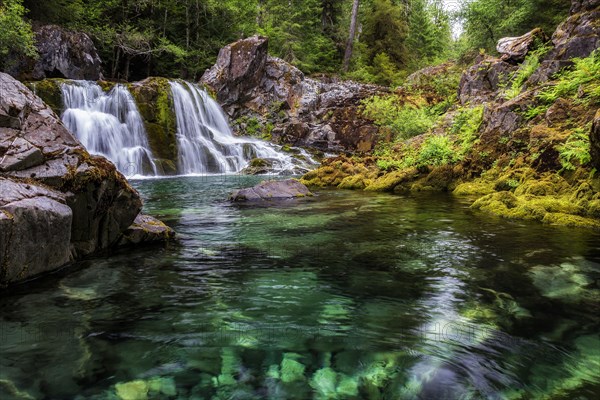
(345, 296)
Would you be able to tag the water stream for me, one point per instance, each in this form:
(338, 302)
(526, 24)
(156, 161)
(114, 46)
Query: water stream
(348, 295)
(108, 124)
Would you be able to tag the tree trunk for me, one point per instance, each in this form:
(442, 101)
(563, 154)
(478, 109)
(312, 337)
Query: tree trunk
(127, 61)
(350, 43)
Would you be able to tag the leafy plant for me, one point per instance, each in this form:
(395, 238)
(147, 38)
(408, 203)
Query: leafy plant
(405, 121)
(576, 150)
(436, 150)
(529, 66)
(466, 126)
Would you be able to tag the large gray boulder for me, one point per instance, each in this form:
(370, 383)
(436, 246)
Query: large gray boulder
(481, 82)
(62, 54)
(35, 230)
(514, 49)
(55, 197)
(319, 113)
(271, 190)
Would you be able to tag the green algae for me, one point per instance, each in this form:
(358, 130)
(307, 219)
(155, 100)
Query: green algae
(291, 369)
(133, 390)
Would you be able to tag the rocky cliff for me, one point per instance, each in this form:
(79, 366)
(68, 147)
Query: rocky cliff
(62, 54)
(268, 97)
(57, 202)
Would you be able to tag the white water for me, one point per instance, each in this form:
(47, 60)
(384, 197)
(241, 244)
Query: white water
(108, 124)
(207, 145)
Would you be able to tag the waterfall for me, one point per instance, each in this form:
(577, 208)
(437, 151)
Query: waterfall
(206, 144)
(108, 124)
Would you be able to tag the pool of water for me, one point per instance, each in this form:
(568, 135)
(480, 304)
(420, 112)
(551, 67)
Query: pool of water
(347, 295)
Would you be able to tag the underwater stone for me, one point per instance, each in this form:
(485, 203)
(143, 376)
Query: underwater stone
(134, 390)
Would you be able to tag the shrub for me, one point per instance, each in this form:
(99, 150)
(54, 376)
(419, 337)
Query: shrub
(436, 150)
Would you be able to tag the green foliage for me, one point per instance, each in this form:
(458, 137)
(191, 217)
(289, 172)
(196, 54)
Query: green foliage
(436, 150)
(486, 21)
(16, 35)
(405, 121)
(576, 150)
(581, 82)
(466, 126)
(385, 31)
(429, 35)
(585, 76)
(529, 66)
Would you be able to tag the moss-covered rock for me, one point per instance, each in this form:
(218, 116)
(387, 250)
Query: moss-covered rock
(49, 90)
(155, 103)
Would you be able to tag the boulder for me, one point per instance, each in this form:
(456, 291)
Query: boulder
(318, 113)
(271, 190)
(57, 201)
(514, 49)
(62, 54)
(146, 229)
(481, 82)
(35, 230)
(239, 69)
(595, 141)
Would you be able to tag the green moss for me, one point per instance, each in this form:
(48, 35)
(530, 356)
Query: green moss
(477, 187)
(50, 92)
(570, 220)
(354, 182)
(388, 182)
(154, 101)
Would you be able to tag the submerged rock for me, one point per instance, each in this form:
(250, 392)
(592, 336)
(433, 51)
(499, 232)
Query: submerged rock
(57, 201)
(146, 229)
(271, 190)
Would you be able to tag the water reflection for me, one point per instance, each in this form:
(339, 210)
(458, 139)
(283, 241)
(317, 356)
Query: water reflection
(348, 295)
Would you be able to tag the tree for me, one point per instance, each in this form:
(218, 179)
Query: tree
(385, 31)
(16, 35)
(351, 35)
(487, 21)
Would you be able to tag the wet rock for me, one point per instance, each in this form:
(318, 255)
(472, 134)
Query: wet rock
(35, 230)
(258, 166)
(304, 111)
(514, 49)
(58, 202)
(595, 141)
(271, 190)
(62, 54)
(146, 229)
(481, 82)
(154, 101)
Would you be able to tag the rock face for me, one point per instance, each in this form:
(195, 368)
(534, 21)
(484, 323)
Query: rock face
(578, 36)
(63, 54)
(514, 49)
(481, 82)
(57, 202)
(35, 230)
(272, 190)
(252, 86)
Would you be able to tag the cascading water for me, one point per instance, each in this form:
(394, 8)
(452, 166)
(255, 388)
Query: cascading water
(108, 124)
(206, 144)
